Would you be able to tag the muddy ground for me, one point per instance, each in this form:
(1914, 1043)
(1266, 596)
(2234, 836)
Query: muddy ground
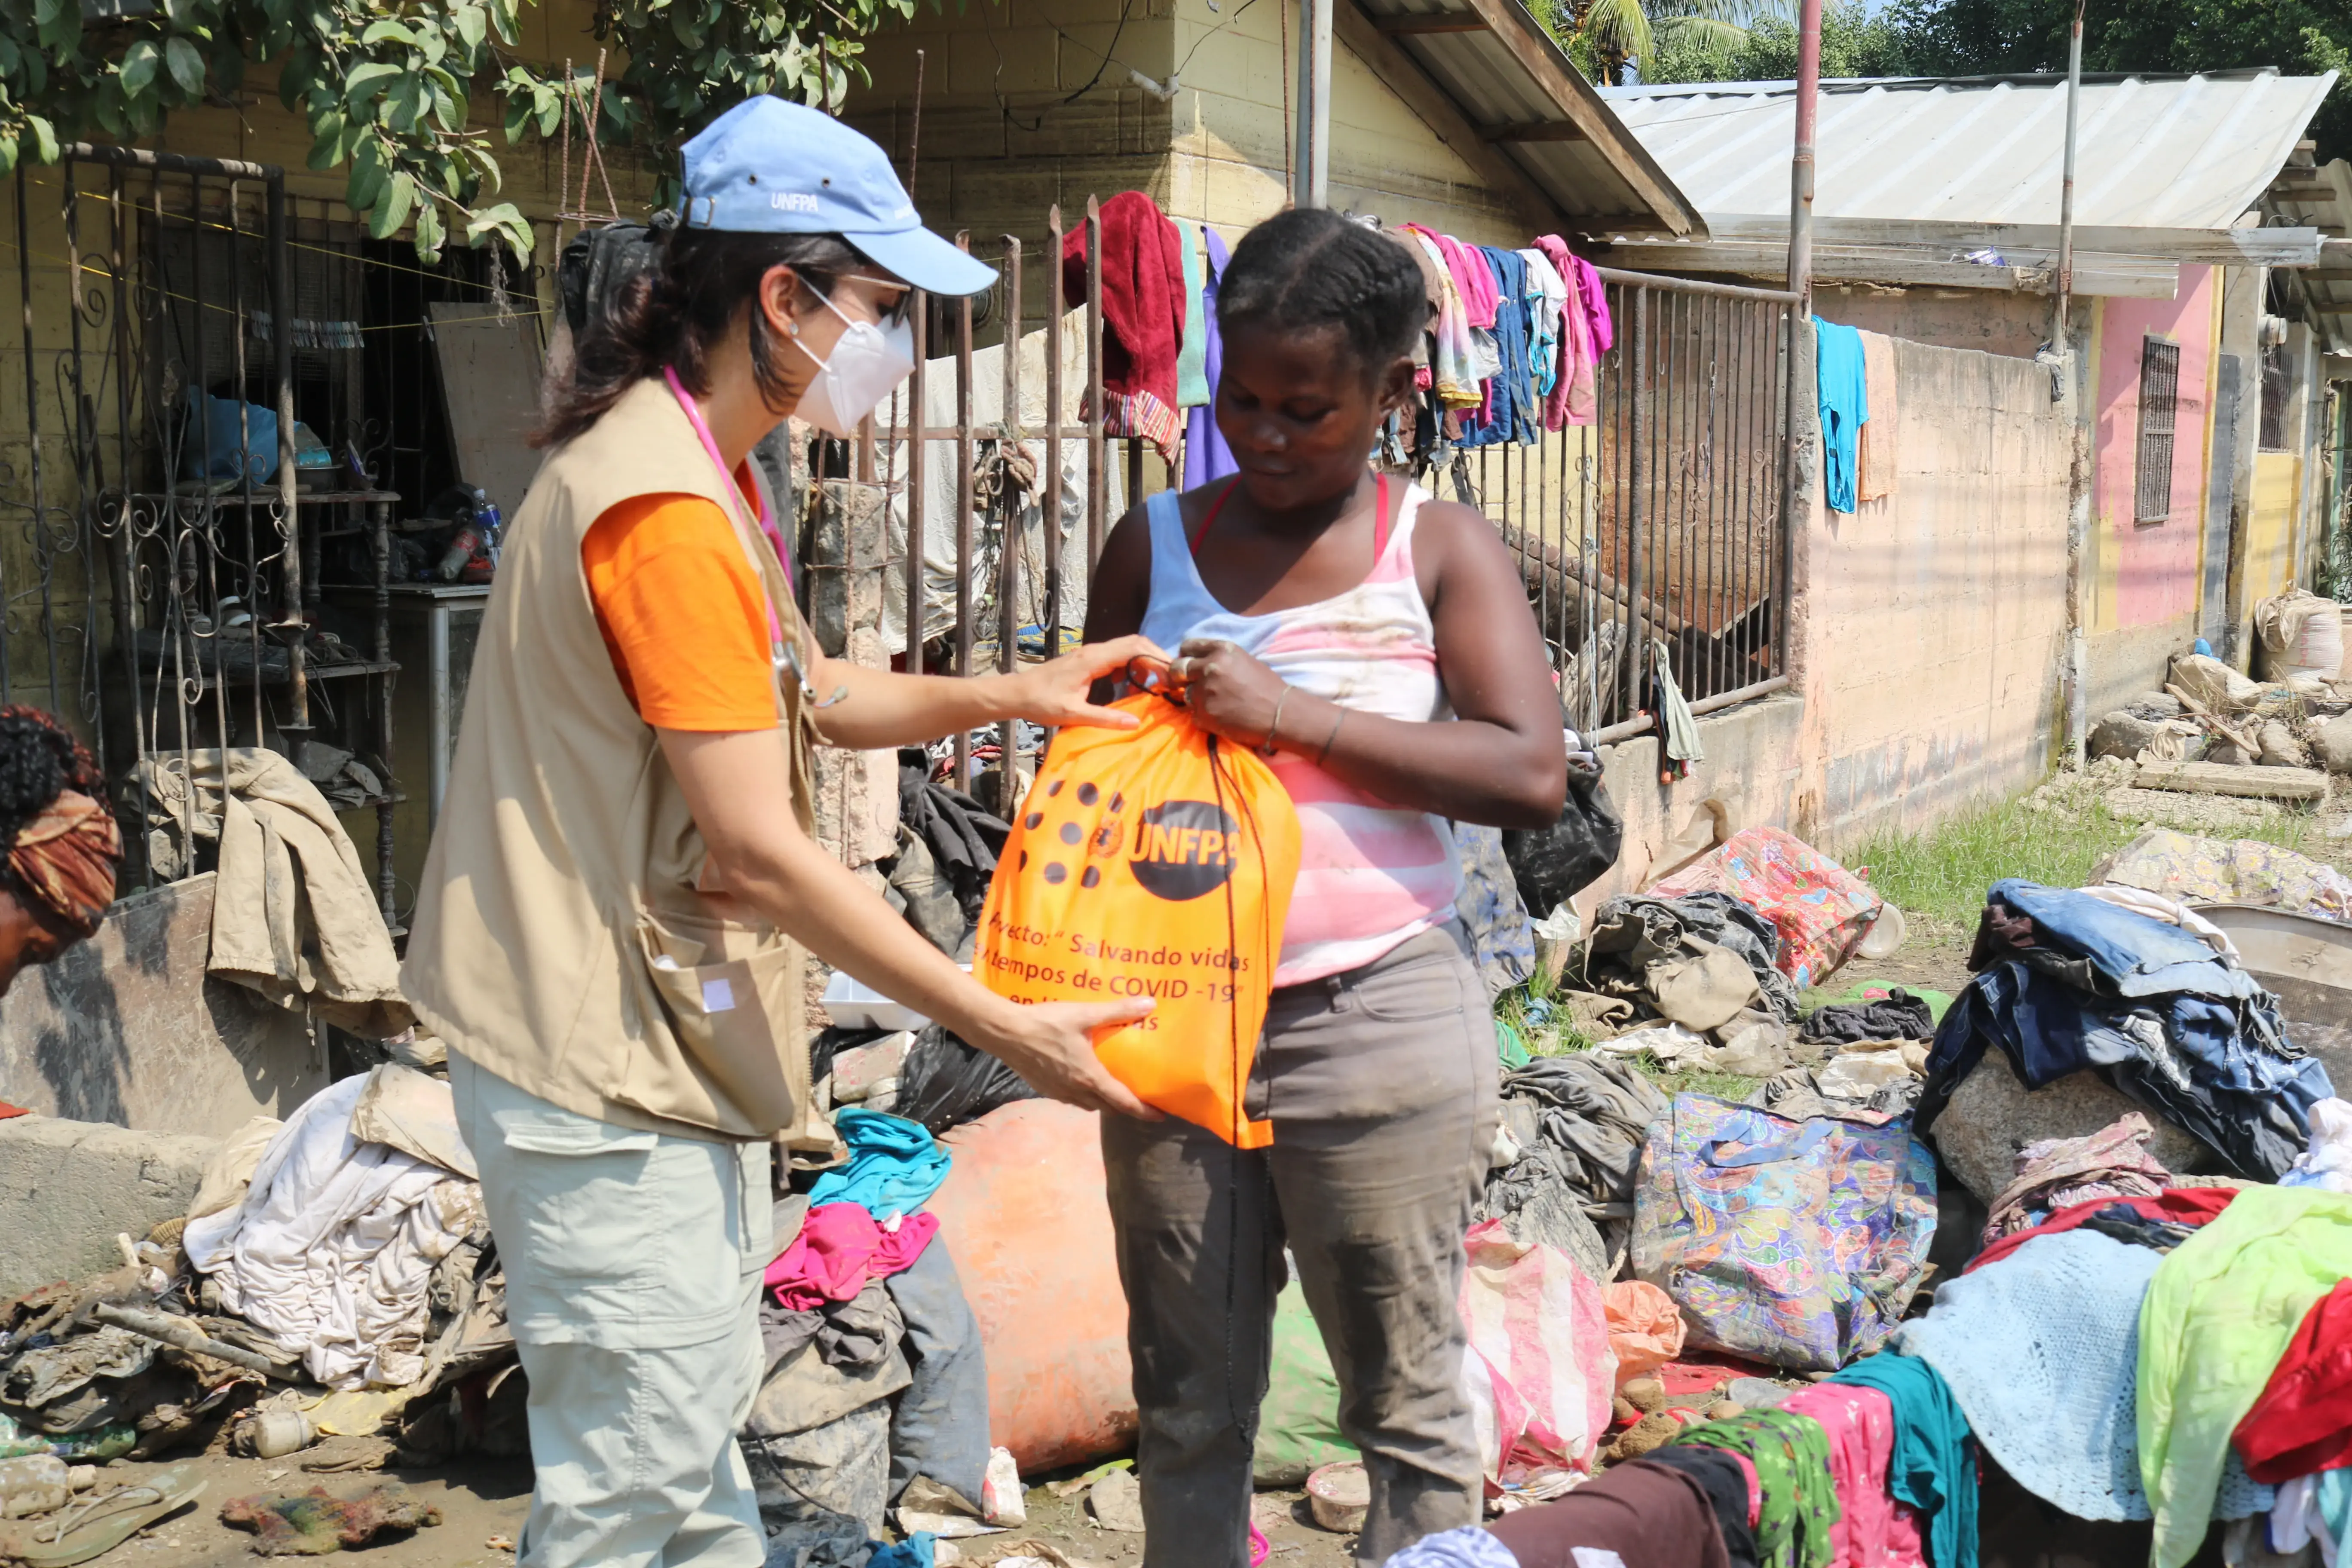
(483, 1502)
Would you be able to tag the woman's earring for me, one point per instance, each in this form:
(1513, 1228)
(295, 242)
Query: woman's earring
(792, 329)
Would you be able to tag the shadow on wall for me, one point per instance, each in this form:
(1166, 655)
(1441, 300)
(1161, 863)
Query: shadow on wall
(128, 1029)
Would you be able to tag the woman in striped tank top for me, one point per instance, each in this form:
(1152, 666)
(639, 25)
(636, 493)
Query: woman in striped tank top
(1377, 645)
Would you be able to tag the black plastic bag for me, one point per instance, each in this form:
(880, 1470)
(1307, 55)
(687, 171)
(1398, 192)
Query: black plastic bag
(1552, 864)
(947, 1083)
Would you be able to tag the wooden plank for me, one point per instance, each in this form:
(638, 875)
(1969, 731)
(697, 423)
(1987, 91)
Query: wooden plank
(2213, 247)
(1540, 55)
(1539, 131)
(2246, 783)
(1452, 22)
(1404, 75)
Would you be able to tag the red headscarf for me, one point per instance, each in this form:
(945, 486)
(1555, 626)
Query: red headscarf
(65, 857)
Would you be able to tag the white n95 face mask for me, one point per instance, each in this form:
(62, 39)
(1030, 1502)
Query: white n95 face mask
(867, 361)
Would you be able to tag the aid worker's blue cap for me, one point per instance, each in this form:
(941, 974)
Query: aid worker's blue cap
(767, 166)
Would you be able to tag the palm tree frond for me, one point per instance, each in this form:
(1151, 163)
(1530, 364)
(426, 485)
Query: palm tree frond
(1618, 26)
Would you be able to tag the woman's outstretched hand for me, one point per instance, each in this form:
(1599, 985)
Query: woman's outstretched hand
(1050, 1044)
(1056, 692)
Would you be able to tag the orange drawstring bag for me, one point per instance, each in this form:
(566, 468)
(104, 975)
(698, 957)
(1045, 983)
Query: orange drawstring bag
(1151, 862)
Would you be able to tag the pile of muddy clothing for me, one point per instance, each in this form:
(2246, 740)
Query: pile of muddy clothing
(1573, 1127)
(1702, 970)
(2088, 980)
(341, 1258)
(875, 1389)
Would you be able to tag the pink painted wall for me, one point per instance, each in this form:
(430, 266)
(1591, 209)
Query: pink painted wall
(2152, 566)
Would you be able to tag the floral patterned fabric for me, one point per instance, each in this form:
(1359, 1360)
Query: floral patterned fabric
(2230, 871)
(1822, 910)
(1799, 1243)
(1795, 1527)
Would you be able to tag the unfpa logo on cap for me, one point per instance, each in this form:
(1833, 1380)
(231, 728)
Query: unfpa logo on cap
(793, 201)
(1184, 848)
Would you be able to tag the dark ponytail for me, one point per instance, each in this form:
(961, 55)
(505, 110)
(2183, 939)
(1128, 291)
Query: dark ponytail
(675, 311)
(1309, 268)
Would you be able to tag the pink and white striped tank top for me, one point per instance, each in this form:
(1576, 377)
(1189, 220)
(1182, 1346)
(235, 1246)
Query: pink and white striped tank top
(1370, 874)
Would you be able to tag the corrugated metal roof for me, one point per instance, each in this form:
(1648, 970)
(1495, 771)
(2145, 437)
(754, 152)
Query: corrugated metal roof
(2322, 197)
(2154, 152)
(1522, 98)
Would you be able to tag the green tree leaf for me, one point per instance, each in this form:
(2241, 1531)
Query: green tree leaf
(45, 137)
(387, 31)
(138, 66)
(363, 82)
(186, 64)
(391, 210)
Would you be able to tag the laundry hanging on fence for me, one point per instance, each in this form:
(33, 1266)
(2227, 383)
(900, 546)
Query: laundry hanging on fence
(1844, 405)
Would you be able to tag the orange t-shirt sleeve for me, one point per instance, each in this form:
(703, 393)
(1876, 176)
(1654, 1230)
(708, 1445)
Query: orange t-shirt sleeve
(683, 614)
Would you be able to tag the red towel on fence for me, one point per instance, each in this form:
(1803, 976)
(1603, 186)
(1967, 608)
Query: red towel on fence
(1142, 299)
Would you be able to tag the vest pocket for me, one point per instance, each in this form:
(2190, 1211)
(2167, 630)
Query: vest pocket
(737, 1021)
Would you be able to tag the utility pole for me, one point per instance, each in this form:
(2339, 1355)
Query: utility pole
(2078, 486)
(2065, 286)
(1800, 166)
(1310, 180)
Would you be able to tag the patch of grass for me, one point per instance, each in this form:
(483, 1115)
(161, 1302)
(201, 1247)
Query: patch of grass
(2054, 835)
(1942, 874)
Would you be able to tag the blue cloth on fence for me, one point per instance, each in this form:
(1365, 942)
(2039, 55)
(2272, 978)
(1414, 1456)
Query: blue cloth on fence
(894, 1165)
(1207, 455)
(1511, 406)
(1845, 408)
(1934, 1467)
(2141, 956)
(2042, 1350)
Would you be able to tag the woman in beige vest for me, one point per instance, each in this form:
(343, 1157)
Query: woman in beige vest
(609, 935)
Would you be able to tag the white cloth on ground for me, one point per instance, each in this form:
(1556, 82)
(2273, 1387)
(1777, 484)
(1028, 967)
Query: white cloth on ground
(331, 1253)
(2171, 911)
(2327, 1163)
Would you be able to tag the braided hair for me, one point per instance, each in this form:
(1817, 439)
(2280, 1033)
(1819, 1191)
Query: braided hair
(39, 760)
(1310, 268)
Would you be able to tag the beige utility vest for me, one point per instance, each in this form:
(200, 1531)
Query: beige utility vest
(561, 941)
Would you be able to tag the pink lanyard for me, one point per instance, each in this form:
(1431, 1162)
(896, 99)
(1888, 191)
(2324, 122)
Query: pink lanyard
(767, 526)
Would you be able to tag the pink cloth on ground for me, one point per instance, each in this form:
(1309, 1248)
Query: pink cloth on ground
(1860, 1423)
(839, 1249)
(1755, 1487)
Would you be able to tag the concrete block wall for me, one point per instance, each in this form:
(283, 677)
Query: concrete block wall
(1926, 640)
(68, 1188)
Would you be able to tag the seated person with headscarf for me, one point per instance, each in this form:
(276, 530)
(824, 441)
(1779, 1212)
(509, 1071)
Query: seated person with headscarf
(64, 846)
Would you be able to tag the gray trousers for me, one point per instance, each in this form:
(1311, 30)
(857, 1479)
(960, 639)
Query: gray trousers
(633, 1263)
(1382, 1085)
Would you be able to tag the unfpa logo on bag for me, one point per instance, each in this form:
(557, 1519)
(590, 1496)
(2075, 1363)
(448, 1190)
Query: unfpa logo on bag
(1184, 848)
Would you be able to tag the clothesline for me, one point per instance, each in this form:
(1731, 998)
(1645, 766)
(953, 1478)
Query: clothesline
(1514, 340)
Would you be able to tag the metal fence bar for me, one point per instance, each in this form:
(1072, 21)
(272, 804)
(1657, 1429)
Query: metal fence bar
(917, 496)
(1054, 413)
(964, 515)
(1009, 509)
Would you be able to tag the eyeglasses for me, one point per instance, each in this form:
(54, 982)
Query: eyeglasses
(894, 312)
